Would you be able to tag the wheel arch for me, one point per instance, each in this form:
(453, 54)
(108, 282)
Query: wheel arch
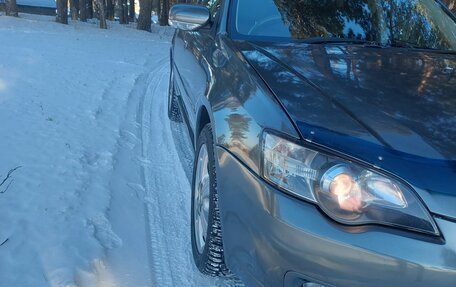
(202, 120)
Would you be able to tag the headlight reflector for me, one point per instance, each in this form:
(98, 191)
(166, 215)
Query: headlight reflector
(288, 166)
(340, 183)
(347, 192)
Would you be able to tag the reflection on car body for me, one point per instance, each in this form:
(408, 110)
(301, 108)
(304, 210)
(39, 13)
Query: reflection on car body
(325, 140)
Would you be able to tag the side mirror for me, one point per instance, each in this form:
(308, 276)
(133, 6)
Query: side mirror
(188, 17)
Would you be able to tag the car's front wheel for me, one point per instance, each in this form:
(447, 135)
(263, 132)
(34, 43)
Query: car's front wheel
(206, 232)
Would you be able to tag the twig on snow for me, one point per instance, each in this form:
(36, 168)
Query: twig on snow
(5, 180)
(6, 240)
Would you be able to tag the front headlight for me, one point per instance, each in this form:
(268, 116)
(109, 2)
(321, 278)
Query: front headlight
(347, 192)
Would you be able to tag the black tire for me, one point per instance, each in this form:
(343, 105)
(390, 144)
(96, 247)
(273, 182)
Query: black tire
(173, 106)
(212, 260)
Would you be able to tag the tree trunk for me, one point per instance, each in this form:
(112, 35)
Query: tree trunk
(83, 10)
(90, 9)
(145, 14)
(11, 8)
(123, 11)
(159, 6)
(155, 5)
(102, 14)
(74, 9)
(62, 11)
(110, 9)
(131, 11)
(164, 12)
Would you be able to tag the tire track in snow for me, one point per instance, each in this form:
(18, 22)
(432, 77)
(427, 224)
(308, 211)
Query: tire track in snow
(132, 263)
(160, 273)
(143, 82)
(168, 193)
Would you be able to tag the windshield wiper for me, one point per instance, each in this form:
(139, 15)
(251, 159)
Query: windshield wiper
(322, 40)
(396, 43)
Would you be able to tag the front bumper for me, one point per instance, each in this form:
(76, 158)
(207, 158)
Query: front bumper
(273, 239)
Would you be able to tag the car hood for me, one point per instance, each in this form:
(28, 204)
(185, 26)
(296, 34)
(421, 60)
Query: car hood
(392, 108)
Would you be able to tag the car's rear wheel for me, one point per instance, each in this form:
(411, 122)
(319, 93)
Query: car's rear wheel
(206, 232)
(173, 107)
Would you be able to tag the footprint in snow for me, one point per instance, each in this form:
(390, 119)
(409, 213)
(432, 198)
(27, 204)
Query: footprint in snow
(103, 232)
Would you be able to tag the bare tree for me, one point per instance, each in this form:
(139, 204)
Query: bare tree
(83, 10)
(131, 11)
(145, 15)
(110, 9)
(11, 8)
(102, 13)
(163, 12)
(74, 9)
(90, 9)
(62, 11)
(123, 11)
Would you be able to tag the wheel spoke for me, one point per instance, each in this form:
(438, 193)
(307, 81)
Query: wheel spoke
(204, 226)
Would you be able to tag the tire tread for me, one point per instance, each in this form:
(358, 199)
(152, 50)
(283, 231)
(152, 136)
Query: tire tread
(212, 261)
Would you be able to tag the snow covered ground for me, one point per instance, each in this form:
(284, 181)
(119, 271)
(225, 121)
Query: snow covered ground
(97, 195)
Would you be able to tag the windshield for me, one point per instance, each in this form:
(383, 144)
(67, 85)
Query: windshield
(411, 23)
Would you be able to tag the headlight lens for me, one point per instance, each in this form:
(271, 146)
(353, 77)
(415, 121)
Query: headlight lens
(347, 192)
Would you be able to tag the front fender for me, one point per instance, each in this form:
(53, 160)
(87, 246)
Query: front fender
(241, 106)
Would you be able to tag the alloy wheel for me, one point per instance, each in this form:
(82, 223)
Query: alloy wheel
(202, 199)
